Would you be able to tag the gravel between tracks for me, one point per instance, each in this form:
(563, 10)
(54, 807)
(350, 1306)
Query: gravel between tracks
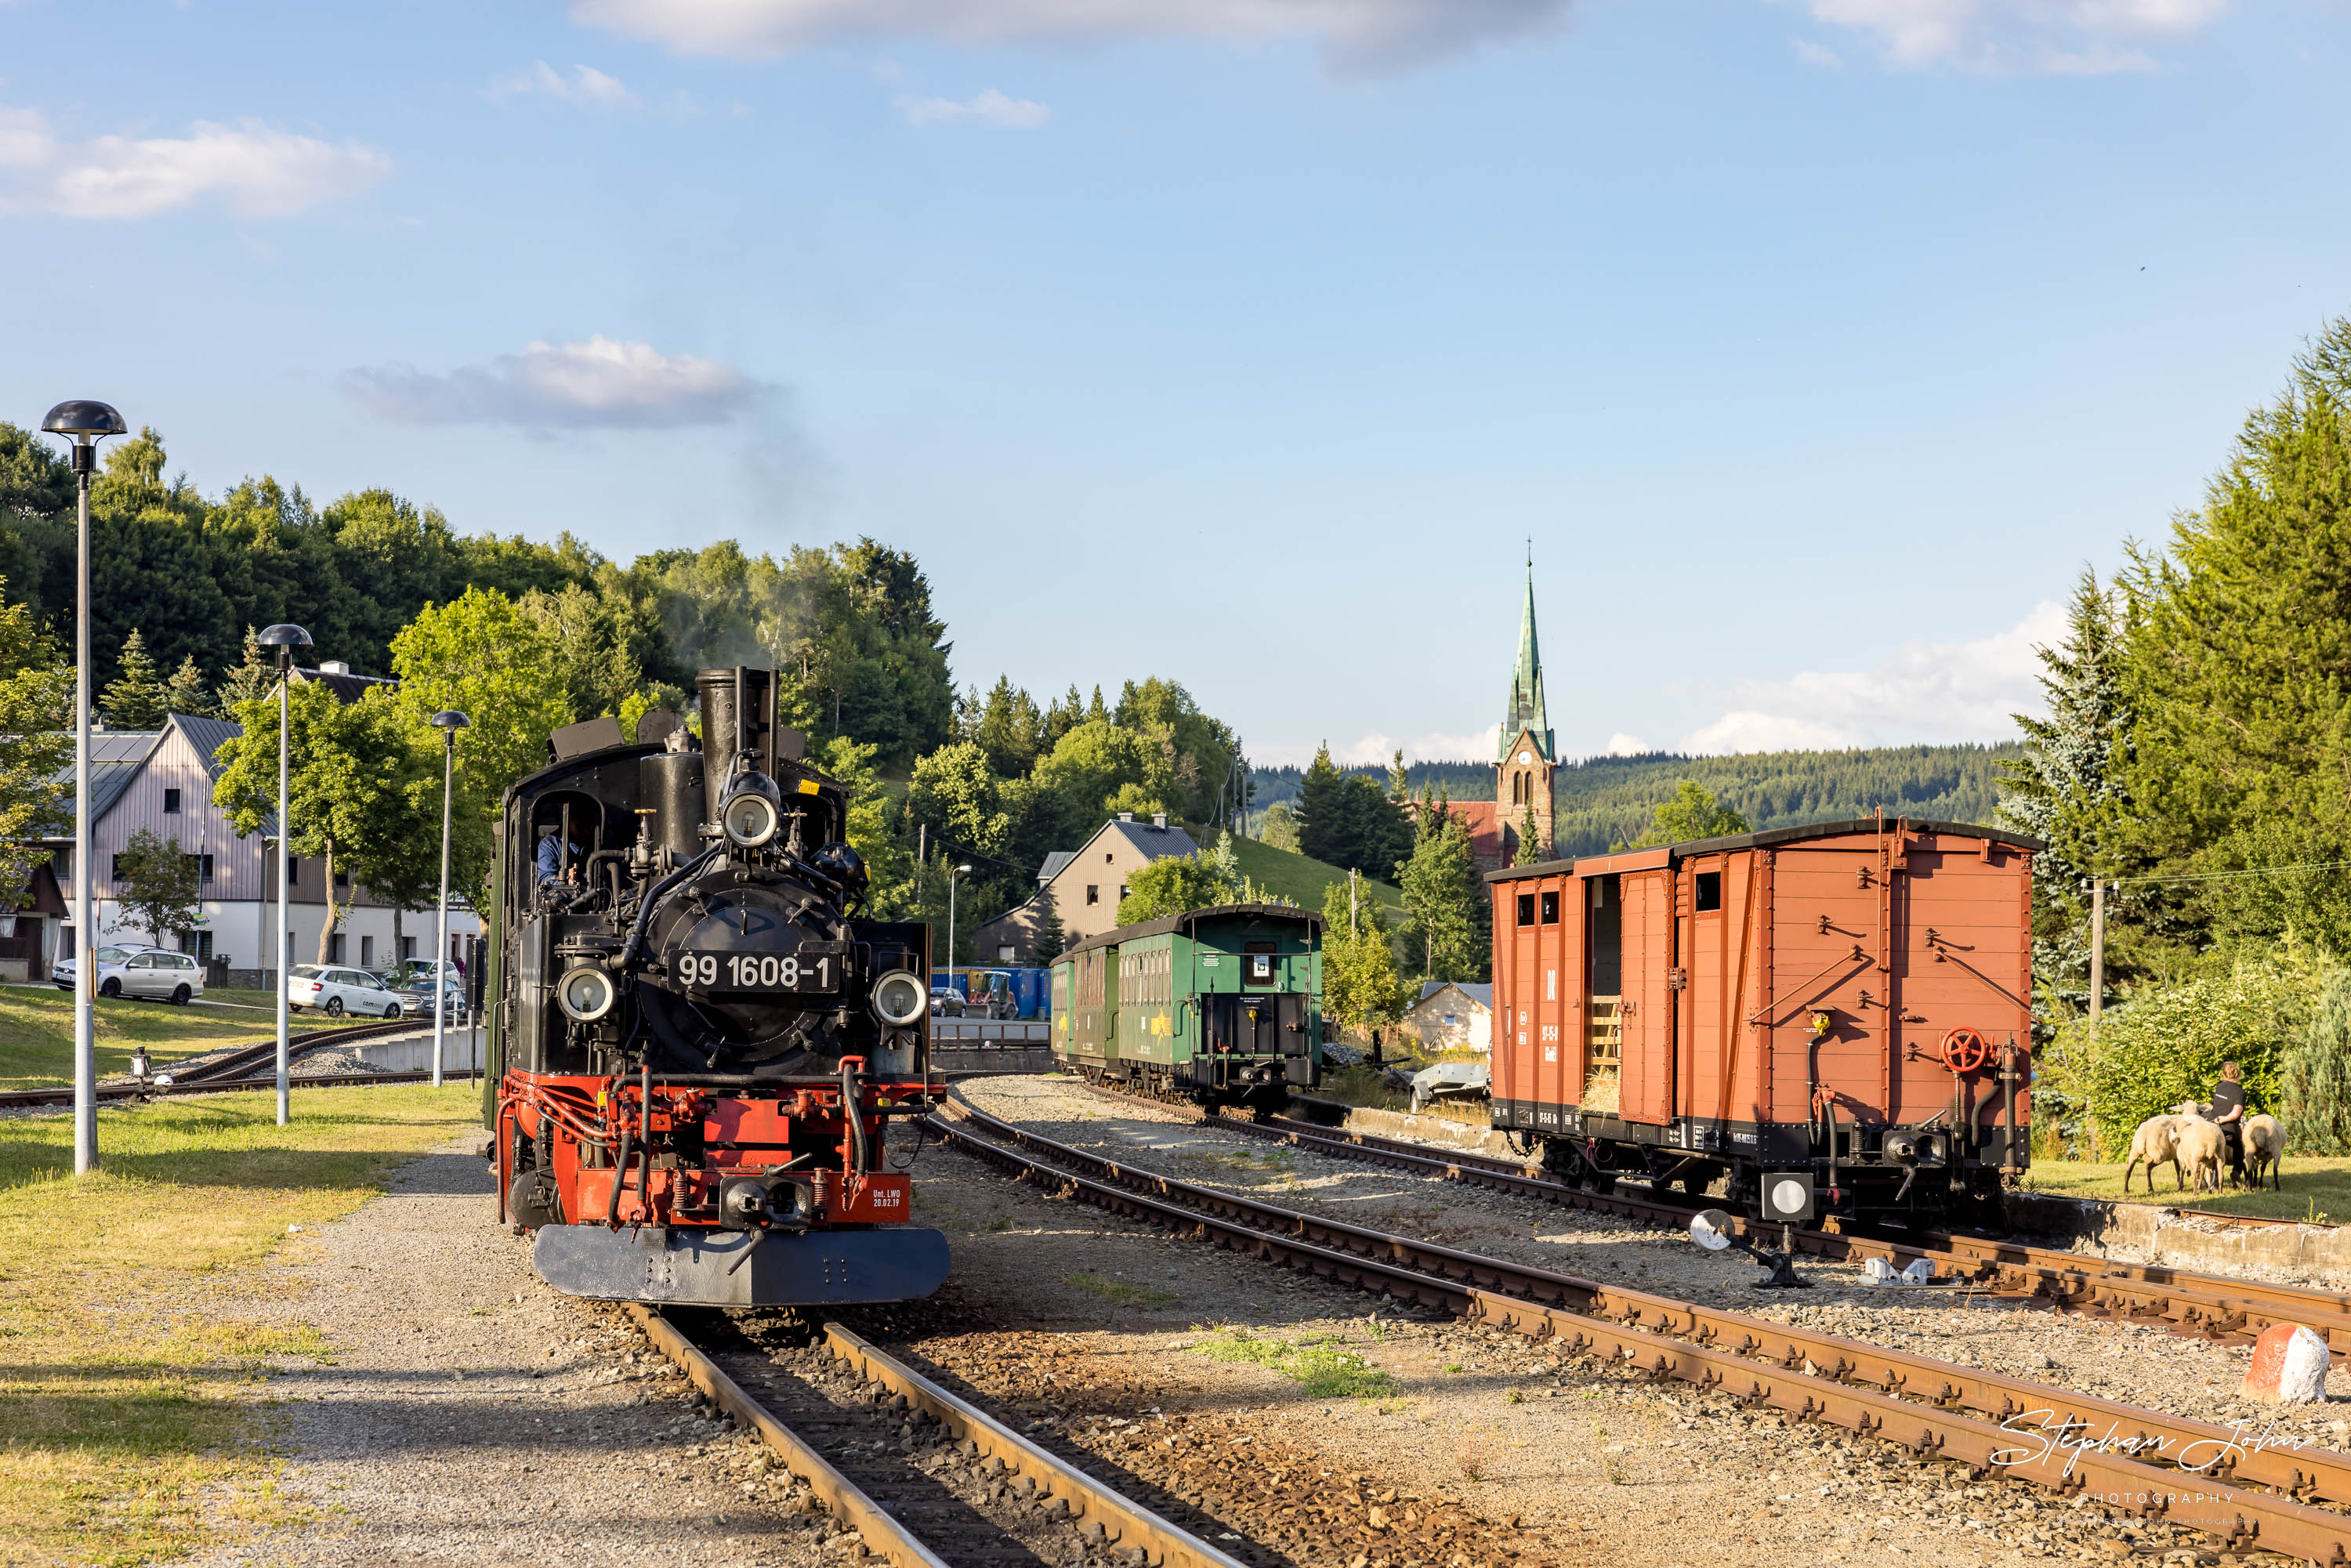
(471, 1414)
(2127, 1362)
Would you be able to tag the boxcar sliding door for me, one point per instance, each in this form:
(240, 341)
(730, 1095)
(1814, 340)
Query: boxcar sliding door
(1648, 1008)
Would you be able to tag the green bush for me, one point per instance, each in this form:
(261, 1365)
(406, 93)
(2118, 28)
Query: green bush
(2316, 1072)
(2167, 1045)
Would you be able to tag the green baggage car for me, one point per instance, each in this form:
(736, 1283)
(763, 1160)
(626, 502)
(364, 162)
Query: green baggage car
(1222, 1005)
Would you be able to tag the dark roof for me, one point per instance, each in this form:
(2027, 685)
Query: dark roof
(116, 756)
(1055, 863)
(347, 688)
(1790, 835)
(1191, 917)
(206, 734)
(1153, 840)
(1478, 991)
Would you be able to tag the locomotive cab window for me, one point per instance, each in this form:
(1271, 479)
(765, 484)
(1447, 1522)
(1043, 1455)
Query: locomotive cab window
(1526, 909)
(1256, 964)
(1708, 890)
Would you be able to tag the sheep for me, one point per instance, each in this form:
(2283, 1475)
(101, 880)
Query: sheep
(2198, 1146)
(2156, 1142)
(2264, 1145)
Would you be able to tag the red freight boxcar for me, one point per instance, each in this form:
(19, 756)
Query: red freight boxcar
(1849, 1002)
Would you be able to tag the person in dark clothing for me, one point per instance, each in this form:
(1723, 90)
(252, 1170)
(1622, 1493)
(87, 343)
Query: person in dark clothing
(2228, 1110)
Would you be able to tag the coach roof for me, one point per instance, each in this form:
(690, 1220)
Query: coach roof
(1766, 840)
(1191, 917)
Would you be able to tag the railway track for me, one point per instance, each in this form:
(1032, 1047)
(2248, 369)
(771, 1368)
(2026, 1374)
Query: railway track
(2212, 1478)
(924, 1478)
(225, 1070)
(2205, 1305)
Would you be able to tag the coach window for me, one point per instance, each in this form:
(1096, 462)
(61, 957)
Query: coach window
(1259, 967)
(1551, 909)
(1526, 909)
(1709, 891)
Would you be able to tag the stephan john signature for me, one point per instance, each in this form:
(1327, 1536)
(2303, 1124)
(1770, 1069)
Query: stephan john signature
(2071, 1436)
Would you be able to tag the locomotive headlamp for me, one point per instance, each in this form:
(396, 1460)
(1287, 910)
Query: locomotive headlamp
(586, 994)
(899, 998)
(749, 813)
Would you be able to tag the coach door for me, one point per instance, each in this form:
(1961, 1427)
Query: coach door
(1648, 1008)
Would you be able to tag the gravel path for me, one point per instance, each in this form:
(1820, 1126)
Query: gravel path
(2132, 1363)
(471, 1414)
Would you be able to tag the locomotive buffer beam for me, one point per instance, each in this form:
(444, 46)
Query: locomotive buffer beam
(708, 1268)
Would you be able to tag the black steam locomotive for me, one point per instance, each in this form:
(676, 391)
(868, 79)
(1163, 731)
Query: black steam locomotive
(697, 1040)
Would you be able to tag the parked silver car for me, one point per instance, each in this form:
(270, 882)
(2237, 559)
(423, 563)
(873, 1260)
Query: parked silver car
(149, 972)
(336, 990)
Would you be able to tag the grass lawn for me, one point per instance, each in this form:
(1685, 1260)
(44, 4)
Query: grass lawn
(124, 1435)
(2317, 1189)
(1286, 874)
(37, 1030)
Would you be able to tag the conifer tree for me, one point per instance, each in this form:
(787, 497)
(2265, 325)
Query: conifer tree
(185, 692)
(1320, 810)
(1445, 906)
(1530, 850)
(1052, 937)
(252, 679)
(2063, 787)
(135, 700)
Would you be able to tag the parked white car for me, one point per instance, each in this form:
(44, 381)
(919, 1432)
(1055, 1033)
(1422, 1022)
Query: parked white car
(335, 991)
(148, 972)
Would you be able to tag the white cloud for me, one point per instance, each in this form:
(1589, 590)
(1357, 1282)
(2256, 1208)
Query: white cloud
(601, 383)
(253, 170)
(988, 108)
(1812, 54)
(1377, 750)
(1357, 34)
(1623, 745)
(2058, 38)
(586, 85)
(1926, 691)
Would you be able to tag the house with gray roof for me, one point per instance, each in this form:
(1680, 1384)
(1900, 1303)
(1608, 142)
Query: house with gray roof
(162, 780)
(1451, 1015)
(1082, 886)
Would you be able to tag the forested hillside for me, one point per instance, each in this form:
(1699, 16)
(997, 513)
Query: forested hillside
(1607, 800)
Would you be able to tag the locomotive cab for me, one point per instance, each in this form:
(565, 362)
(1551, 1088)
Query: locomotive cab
(698, 1037)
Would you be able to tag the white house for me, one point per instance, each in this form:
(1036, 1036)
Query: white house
(162, 780)
(1452, 1015)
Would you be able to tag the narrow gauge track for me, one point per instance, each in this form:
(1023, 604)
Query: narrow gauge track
(861, 1447)
(2246, 1495)
(2207, 1306)
(224, 1071)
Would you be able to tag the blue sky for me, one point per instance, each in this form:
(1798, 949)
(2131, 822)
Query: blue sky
(1816, 344)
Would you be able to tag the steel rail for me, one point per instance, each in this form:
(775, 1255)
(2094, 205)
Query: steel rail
(2067, 1440)
(1122, 1521)
(884, 1535)
(1122, 1517)
(2206, 1305)
(213, 1074)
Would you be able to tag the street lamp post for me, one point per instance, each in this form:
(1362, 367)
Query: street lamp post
(284, 639)
(448, 721)
(85, 423)
(953, 872)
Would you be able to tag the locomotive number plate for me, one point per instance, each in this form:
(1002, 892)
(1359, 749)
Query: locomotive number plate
(797, 972)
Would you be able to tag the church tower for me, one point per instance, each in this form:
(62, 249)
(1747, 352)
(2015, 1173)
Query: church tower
(1530, 754)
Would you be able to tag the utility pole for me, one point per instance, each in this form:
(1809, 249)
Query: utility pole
(1351, 903)
(2098, 953)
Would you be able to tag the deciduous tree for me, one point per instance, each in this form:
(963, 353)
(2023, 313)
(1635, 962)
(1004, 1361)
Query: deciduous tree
(159, 886)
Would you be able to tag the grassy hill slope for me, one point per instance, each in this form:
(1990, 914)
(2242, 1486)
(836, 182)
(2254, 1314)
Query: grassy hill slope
(1286, 874)
(1605, 800)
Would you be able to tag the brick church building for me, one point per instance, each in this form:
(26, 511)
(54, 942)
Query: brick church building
(1524, 767)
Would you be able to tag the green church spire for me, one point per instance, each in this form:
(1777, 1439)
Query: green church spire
(1527, 710)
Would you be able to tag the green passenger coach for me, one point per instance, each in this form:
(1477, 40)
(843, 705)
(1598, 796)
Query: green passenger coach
(1219, 1005)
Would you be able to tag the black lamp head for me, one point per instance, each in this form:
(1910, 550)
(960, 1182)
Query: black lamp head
(85, 420)
(284, 638)
(453, 721)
